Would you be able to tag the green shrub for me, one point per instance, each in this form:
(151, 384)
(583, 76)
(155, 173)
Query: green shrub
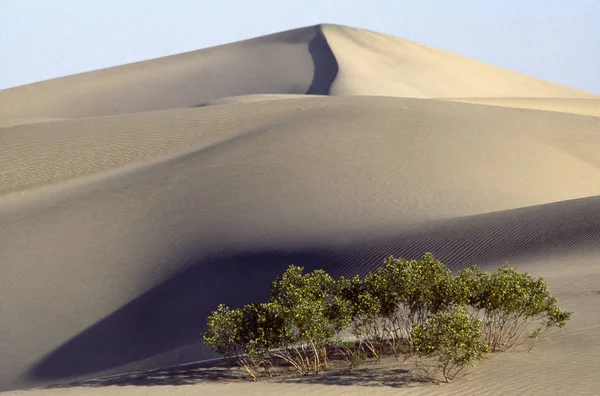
(313, 313)
(385, 305)
(408, 292)
(404, 306)
(364, 310)
(224, 332)
(454, 338)
(511, 301)
(247, 334)
(467, 285)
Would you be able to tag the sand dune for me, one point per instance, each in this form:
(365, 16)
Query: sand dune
(325, 59)
(180, 183)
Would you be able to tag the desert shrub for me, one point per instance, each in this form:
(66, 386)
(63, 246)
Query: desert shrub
(247, 334)
(364, 324)
(385, 305)
(509, 302)
(313, 313)
(409, 291)
(404, 306)
(467, 285)
(453, 338)
(297, 325)
(224, 332)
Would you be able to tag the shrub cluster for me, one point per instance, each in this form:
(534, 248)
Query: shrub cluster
(405, 307)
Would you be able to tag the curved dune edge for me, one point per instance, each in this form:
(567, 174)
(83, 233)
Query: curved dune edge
(589, 107)
(10, 122)
(253, 99)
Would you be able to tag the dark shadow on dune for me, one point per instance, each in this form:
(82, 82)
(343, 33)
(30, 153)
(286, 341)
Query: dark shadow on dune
(173, 314)
(214, 371)
(367, 376)
(517, 235)
(325, 63)
(227, 371)
(326, 66)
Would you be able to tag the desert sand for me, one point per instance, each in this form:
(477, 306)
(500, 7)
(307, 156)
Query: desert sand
(135, 199)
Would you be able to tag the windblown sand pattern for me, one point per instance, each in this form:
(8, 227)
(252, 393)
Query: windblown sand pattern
(135, 199)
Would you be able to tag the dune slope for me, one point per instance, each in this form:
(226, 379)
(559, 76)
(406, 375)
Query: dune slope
(297, 61)
(372, 63)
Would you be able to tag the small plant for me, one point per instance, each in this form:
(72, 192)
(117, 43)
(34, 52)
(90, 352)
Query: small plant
(227, 334)
(409, 291)
(510, 301)
(312, 313)
(364, 312)
(453, 338)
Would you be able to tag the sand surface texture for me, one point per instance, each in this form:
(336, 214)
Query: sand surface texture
(135, 199)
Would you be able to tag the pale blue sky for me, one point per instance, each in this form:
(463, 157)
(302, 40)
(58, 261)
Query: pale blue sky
(557, 40)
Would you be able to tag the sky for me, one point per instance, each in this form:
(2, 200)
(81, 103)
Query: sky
(556, 40)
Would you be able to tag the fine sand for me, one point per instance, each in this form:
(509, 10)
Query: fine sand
(135, 199)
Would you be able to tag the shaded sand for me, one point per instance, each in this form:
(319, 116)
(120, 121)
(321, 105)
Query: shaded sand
(123, 226)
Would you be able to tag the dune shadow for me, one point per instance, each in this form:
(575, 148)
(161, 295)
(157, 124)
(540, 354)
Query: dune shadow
(214, 371)
(488, 240)
(326, 65)
(171, 315)
(374, 376)
(223, 371)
